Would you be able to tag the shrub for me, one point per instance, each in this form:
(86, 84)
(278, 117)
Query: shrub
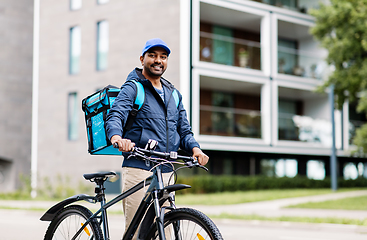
(221, 183)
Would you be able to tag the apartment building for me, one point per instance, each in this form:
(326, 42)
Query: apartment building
(255, 68)
(16, 56)
(247, 71)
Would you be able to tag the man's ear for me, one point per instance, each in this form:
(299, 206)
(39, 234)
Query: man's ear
(142, 60)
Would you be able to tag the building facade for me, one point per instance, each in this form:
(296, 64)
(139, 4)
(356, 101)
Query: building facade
(16, 56)
(247, 71)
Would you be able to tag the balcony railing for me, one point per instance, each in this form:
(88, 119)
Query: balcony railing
(300, 63)
(230, 51)
(305, 129)
(223, 121)
(298, 6)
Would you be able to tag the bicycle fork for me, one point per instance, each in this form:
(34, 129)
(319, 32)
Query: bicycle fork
(159, 216)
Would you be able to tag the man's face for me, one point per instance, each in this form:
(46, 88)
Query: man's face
(154, 62)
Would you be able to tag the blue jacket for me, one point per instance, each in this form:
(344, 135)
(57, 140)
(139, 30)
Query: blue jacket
(157, 120)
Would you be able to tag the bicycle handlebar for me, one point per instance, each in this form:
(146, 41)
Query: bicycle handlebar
(145, 154)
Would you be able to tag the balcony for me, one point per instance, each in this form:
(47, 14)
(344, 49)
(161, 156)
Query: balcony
(222, 121)
(302, 6)
(230, 108)
(304, 116)
(229, 35)
(300, 63)
(221, 49)
(304, 129)
(298, 54)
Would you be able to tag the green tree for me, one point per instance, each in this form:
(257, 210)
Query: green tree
(341, 27)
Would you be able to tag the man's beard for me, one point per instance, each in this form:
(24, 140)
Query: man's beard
(154, 73)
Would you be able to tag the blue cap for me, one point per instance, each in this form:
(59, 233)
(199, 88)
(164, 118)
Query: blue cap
(155, 42)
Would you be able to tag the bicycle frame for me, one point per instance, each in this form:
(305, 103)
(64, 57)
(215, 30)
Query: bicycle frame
(155, 189)
(150, 206)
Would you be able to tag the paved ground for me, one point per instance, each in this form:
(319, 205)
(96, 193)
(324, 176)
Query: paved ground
(21, 224)
(264, 208)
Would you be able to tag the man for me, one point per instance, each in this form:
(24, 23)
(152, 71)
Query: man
(159, 119)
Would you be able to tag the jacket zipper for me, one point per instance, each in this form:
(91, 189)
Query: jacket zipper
(169, 99)
(165, 113)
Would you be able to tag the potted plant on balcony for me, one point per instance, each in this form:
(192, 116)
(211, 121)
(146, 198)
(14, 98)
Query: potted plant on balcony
(313, 70)
(243, 57)
(298, 71)
(281, 63)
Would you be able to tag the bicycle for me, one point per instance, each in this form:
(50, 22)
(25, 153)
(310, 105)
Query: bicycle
(155, 220)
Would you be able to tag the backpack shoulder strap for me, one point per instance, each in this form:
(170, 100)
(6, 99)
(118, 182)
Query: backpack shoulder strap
(138, 104)
(175, 96)
(139, 96)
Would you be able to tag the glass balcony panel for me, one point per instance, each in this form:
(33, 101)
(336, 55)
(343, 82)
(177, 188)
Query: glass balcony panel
(230, 51)
(300, 63)
(222, 121)
(302, 6)
(304, 129)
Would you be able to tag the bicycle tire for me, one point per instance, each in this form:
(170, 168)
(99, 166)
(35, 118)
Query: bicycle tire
(186, 224)
(68, 221)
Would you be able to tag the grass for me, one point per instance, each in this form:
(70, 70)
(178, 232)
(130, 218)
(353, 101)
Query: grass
(352, 203)
(228, 198)
(28, 209)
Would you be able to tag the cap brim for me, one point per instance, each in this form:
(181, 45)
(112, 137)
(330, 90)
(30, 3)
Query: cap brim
(159, 45)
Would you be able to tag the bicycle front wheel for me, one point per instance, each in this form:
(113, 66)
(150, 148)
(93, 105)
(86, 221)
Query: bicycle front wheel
(186, 224)
(69, 220)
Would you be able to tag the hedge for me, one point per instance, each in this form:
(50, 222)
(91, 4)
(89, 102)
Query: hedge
(226, 183)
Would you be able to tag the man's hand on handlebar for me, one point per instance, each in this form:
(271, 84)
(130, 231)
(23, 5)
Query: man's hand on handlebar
(124, 145)
(200, 156)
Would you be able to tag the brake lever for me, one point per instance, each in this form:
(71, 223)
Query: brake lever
(189, 164)
(195, 163)
(203, 168)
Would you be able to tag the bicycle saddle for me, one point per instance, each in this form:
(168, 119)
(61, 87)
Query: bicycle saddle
(89, 176)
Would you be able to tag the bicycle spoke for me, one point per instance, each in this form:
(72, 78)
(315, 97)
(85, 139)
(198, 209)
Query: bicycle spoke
(189, 224)
(69, 221)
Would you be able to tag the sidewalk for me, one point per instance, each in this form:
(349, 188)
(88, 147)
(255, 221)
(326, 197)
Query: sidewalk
(273, 208)
(276, 208)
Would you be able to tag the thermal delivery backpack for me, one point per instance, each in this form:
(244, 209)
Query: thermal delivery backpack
(97, 106)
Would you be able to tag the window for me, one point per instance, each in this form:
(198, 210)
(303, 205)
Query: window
(229, 46)
(102, 45)
(73, 119)
(316, 170)
(229, 114)
(287, 57)
(302, 6)
(75, 50)
(287, 128)
(350, 171)
(223, 49)
(267, 167)
(75, 4)
(286, 168)
(223, 119)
